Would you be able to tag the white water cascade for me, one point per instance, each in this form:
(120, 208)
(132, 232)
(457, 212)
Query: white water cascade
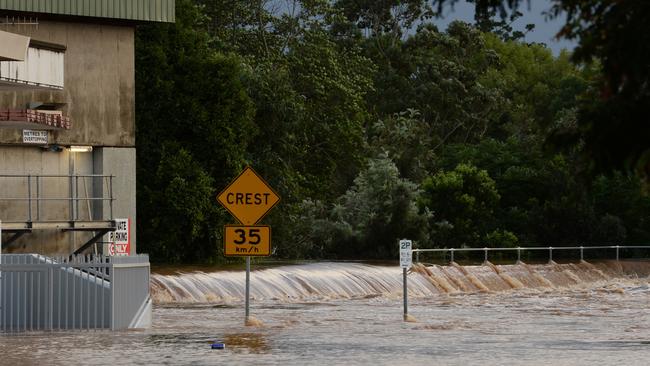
(327, 281)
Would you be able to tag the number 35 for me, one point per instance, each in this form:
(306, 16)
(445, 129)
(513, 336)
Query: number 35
(252, 237)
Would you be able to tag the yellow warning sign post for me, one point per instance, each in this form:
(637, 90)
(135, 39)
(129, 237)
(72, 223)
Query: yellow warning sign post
(248, 198)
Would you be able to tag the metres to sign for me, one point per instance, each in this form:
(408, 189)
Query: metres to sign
(248, 197)
(247, 241)
(35, 137)
(405, 253)
(119, 241)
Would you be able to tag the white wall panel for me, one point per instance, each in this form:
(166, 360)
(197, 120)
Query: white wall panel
(41, 68)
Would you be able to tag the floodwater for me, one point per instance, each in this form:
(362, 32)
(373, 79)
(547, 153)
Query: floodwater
(351, 314)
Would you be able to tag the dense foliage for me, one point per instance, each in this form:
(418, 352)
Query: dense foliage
(375, 125)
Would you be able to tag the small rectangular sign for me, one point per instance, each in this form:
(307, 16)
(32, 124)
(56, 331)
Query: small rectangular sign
(247, 241)
(405, 253)
(119, 241)
(35, 137)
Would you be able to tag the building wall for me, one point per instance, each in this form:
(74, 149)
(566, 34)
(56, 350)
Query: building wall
(99, 93)
(119, 162)
(99, 87)
(24, 160)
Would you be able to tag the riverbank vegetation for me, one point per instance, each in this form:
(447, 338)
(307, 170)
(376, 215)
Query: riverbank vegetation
(373, 124)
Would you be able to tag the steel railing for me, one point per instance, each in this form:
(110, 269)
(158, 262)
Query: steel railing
(82, 292)
(519, 250)
(34, 197)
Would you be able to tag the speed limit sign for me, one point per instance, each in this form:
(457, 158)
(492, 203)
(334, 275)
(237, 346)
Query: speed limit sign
(247, 241)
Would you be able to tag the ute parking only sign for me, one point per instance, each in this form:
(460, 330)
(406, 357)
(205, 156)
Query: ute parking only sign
(119, 241)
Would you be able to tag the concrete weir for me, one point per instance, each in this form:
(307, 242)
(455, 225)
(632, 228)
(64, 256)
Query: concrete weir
(334, 281)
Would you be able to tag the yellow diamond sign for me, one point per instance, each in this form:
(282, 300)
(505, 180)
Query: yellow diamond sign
(248, 197)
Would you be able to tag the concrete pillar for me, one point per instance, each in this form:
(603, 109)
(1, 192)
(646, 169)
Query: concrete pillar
(120, 162)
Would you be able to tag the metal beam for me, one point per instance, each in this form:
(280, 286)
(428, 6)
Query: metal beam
(90, 242)
(14, 237)
(59, 225)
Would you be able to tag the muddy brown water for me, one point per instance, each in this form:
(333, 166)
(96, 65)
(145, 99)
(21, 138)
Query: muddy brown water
(351, 314)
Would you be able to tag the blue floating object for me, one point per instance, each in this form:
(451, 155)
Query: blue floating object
(218, 346)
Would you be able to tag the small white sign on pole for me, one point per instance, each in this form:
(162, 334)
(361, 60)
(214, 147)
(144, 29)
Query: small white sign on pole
(405, 253)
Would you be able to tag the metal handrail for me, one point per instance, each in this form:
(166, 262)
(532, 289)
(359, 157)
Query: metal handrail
(55, 175)
(520, 249)
(73, 197)
(58, 199)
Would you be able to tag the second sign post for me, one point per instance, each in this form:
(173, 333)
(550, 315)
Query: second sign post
(248, 198)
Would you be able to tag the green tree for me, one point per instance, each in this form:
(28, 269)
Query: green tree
(501, 239)
(386, 16)
(613, 120)
(538, 88)
(438, 74)
(333, 83)
(463, 202)
(542, 201)
(620, 198)
(405, 138)
(374, 213)
(184, 215)
(191, 103)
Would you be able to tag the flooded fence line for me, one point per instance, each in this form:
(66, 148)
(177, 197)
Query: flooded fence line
(80, 292)
(519, 250)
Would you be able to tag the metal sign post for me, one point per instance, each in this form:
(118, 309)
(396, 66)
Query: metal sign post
(406, 296)
(248, 288)
(405, 261)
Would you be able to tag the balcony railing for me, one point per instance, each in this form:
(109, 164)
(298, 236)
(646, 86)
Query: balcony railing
(78, 202)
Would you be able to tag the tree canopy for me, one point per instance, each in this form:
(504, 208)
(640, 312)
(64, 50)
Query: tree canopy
(374, 125)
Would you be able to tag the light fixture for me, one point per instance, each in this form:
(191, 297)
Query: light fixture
(52, 148)
(74, 148)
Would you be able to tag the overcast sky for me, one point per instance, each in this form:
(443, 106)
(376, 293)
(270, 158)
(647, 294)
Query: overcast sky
(544, 32)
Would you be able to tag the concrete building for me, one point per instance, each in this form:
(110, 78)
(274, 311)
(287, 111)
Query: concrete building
(67, 120)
